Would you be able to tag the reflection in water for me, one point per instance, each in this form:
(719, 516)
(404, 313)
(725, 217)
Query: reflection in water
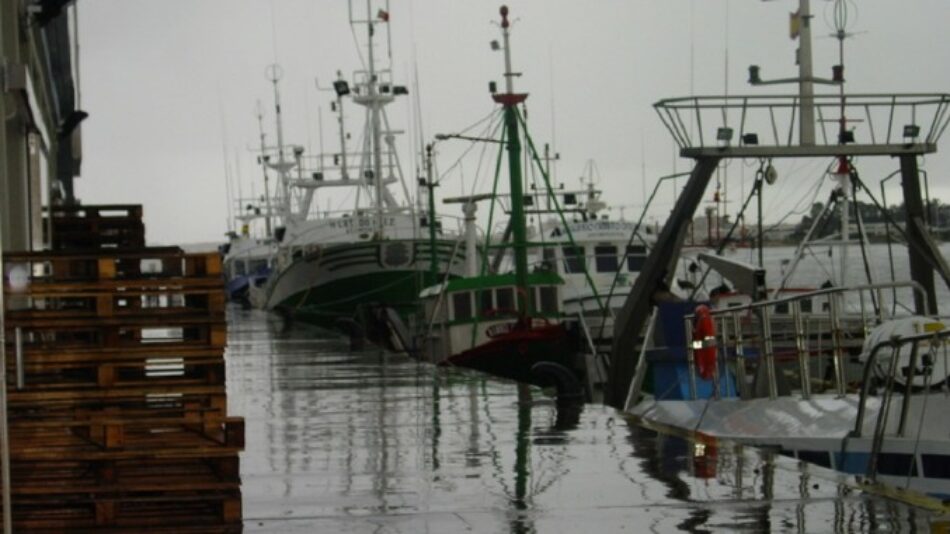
(343, 441)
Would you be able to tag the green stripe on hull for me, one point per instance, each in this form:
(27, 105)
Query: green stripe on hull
(324, 305)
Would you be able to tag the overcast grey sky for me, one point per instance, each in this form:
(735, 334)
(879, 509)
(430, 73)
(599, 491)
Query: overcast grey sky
(160, 77)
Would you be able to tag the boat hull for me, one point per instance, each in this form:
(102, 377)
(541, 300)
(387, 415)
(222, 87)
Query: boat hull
(515, 354)
(820, 430)
(341, 280)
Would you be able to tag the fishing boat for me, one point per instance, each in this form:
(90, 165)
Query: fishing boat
(507, 324)
(339, 264)
(248, 258)
(859, 383)
(598, 258)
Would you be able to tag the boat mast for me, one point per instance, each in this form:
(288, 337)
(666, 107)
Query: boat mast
(341, 88)
(843, 168)
(374, 103)
(267, 218)
(274, 74)
(510, 101)
(806, 86)
(430, 187)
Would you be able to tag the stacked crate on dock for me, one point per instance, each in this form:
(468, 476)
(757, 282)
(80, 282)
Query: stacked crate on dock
(113, 226)
(117, 406)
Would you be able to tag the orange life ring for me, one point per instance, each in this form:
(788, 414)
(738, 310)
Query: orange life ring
(704, 342)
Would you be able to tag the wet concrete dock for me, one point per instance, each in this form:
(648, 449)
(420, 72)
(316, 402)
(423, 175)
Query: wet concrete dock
(341, 441)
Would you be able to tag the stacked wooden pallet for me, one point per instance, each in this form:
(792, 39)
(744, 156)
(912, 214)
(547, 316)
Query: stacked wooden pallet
(119, 420)
(79, 227)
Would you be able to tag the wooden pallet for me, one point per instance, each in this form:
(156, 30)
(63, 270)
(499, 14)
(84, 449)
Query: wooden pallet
(115, 226)
(126, 264)
(121, 423)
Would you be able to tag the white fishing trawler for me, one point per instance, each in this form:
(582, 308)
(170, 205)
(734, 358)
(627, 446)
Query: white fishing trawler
(334, 264)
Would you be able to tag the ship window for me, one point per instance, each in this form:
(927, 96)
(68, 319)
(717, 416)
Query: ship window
(462, 306)
(548, 257)
(239, 268)
(896, 464)
(485, 301)
(936, 465)
(574, 259)
(606, 259)
(505, 298)
(781, 307)
(636, 257)
(258, 266)
(547, 295)
(821, 458)
(806, 305)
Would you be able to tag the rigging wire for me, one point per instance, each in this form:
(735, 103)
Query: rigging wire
(759, 179)
(798, 209)
(490, 130)
(862, 235)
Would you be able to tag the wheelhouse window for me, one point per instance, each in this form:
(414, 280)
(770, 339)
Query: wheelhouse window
(258, 266)
(806, 305)
(605, 256)
(239, 268)
(548, 259)
(573, 259)
(462, 306)
(636, 257)
(546, 299)
(485, 302)
(505, 298)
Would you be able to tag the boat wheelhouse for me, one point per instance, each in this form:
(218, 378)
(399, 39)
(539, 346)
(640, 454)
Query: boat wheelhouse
(467, 312)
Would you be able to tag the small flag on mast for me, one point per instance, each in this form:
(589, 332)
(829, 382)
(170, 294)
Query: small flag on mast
(794, 24)
(383, 15)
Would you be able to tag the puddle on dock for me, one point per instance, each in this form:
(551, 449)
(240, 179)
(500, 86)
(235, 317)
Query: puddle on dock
(341, 441)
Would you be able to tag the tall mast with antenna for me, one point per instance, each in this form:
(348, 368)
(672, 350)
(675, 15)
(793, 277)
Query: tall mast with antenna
(274, 74)
(510, 101)
(260, 124)
(374, 93)
(373, 89)
(843, 171)
(806, 86)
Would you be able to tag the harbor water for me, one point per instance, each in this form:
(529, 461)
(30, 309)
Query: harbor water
(368, 441)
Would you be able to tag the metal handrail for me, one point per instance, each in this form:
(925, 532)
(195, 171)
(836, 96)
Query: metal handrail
(915, 286)
(894, 343)
(764, 110)
(768, 353)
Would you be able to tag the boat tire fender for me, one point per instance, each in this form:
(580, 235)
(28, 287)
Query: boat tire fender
(564, 380)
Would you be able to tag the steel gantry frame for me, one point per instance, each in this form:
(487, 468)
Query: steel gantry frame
(931, 110)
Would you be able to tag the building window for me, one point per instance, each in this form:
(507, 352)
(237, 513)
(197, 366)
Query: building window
(605, 256)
